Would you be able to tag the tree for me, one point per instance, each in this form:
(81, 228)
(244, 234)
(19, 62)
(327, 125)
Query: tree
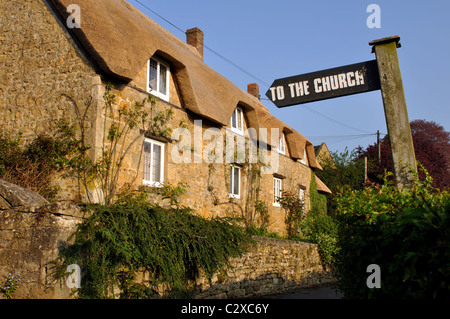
(431, 147)
(345, 169)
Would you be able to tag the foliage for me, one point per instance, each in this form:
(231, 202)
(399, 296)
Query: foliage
(431, 147)
(406, 232)
(10, 286)
(262, 211)
(295, 211)
(262, 231)
(323, 231)
(33, 165)
(318, 201)
(168, 191)
(131, 235)
(345, 169)
(99, 178)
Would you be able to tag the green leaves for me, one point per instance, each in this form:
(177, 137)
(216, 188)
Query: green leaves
(172, 245)
(406, 232)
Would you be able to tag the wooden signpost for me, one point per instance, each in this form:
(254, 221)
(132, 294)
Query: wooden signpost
(382, 73)
(325, 84)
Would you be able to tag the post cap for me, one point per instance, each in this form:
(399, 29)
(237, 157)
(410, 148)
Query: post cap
(394, 38)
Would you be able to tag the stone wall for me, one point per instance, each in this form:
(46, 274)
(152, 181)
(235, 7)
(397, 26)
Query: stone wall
(41, 72)
(39, 65)
(32, 231)
(273, 266)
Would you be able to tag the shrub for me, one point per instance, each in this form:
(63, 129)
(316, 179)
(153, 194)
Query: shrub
(33, 165)
(294, 207)
(406, 232)
(129, 236)
(323, 231)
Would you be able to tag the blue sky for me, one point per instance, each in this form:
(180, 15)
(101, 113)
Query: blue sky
(277, 39)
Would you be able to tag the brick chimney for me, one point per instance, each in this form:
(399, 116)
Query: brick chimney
(253, 89)
(194, 37)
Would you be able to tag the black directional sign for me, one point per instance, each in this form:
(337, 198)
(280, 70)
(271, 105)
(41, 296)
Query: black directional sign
(325, 84)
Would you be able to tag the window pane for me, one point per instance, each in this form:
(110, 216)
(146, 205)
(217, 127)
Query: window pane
(156, 167)
(162, 79)
(231, 180)
(147, 160)
(236, 181)
(276, 189)
(239, 119)
(233, 120)
(153, 75)
(301, 194)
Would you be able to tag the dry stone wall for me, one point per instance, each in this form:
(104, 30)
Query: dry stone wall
(273, 266)
(32, 231)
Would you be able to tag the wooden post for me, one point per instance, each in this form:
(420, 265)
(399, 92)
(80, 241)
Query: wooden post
(379, 147)
(365, 169)
(395, 110)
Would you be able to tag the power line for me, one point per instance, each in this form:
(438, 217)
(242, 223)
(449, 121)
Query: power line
(160, 16)
(206, 47)
(334, 120)
(245, 71)
(330, 140)
(330, 119)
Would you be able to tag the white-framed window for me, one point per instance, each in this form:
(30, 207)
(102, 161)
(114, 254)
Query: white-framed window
(277, 187)
(158, 78)
(235, 181)
(282, 145)
(301, 196)
(303, 160)
(153, 163)
(237, 120)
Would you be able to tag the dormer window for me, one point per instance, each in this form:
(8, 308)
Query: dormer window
(303, 160)
(158, 79)
(237, 121)
(282, 145)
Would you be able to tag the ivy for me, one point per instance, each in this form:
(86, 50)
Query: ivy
(173, 245)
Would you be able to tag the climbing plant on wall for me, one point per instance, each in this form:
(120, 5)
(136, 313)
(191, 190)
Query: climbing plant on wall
(123, 127)
(173, 245)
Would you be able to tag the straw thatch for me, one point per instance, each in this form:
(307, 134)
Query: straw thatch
(120, 40)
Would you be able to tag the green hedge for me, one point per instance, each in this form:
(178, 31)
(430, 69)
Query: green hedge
(406, 233)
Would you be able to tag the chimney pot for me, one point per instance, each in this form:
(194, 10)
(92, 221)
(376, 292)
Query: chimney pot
(253, 89)
(194, 37)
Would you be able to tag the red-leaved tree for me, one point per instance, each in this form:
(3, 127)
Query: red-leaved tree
(431, 147)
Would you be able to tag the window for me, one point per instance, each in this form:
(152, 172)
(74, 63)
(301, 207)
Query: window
(277, 184)
(235, 181)
(237, 120)
(158, 79)
(303, 160)
(301, 196)
(153, 163)
(282, 145)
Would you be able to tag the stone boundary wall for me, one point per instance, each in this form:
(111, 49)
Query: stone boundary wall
(30, 237)
(272, 266)
(32, 231)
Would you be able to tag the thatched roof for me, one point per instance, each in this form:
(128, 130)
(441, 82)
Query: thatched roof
(121, 39)
(321, 187)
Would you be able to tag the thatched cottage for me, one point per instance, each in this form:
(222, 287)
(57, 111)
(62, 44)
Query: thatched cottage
(51, 68)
